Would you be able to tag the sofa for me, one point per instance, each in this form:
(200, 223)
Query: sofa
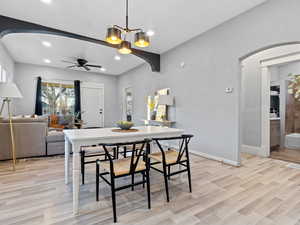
(32, 138)
(55, 143)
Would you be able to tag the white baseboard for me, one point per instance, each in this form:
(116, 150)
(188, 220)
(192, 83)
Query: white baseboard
(208, 156)
(254, 150)
(216, 158)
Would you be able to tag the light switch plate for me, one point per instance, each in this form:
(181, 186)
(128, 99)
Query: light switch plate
(228, 90)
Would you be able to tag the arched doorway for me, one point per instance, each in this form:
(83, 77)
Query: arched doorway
(255, 94)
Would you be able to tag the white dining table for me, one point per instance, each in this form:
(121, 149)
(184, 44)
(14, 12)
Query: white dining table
(76, 138)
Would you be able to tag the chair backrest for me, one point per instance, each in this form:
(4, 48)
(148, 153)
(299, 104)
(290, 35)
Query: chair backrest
(138, 153)
(184, 141)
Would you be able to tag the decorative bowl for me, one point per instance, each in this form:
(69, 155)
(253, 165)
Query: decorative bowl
(125, 125)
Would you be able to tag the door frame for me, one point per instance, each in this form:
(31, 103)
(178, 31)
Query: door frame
(265, 96)
(95, 85)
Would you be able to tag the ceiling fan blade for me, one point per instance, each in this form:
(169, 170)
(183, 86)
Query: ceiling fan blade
(65, 61)
(69, 67)
(96, 66)
(86, 68)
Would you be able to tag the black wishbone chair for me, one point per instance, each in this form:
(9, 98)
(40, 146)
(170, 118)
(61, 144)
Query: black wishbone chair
(90, 152)
(169, 157)
(138, 163)
(127, 150)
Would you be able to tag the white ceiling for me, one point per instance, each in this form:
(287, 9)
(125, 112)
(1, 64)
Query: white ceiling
(174, 22)
(28, 48)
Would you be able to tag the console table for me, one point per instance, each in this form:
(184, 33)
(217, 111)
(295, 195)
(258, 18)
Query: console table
(166, 123)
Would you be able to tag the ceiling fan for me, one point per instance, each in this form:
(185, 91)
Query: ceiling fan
(81, 63)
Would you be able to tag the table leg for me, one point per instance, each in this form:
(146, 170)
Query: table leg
(76, 177)
(67, 158)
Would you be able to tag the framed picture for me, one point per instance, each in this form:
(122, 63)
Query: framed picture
(160, 110)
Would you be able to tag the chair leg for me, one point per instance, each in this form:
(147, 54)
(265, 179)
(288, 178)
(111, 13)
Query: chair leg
(97, 182)
(115, 153)
(82, 166)
(148, 188)
(166, 181)
(169, 171)
(113, 195)
(144, 180)
(132, 181)
(189, 175)
(125, 152)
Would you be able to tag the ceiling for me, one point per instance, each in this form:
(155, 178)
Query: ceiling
(174, 22)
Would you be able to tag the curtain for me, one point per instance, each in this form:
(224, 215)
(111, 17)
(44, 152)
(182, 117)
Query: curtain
(77, 99)
(38, 98)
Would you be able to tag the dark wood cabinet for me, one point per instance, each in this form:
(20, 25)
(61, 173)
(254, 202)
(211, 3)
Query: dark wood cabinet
(274, 134)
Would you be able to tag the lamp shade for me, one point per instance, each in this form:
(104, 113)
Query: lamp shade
(141, 39)
(166, 100)
(9, 90)
(125, 47)
(113, 36)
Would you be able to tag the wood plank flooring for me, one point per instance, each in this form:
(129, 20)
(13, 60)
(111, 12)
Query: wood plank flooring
(262, 191)
(290, 155)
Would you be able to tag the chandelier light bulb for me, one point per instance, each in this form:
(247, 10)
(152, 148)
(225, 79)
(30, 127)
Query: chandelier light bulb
(125, 48)
(113, 36)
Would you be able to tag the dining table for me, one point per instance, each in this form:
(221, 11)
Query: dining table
(76, 138)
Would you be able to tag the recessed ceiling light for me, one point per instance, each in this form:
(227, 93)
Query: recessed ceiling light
(46, 1)
(117, 57)
(46, 44)
(47, 61)
(150, 33)
(103, 69)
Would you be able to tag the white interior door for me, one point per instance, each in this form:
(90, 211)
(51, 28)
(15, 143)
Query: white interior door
(92, 105)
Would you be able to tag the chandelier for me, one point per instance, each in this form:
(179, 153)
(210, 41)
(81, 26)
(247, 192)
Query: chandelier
(114, 36)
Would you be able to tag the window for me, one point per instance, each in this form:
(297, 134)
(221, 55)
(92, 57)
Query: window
(3, 75)
(58, 99)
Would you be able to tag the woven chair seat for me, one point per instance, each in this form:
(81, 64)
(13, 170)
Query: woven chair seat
(171, 156)
(122, 166)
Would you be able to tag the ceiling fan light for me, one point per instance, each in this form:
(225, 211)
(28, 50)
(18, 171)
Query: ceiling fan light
(141, 39)
(125, 48)
(113, 36)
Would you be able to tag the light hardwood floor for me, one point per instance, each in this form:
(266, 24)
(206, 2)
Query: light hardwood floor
(261, 191)
(287, 155)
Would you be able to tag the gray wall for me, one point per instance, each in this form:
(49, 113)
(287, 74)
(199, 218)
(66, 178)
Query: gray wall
(212, 64)
(293, 68)
(26, 74)
(8, 64)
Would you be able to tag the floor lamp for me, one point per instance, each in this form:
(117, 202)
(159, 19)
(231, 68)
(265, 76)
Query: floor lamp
(9, 91)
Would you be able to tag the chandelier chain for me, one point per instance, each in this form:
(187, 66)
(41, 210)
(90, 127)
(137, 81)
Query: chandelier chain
(127, 15)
